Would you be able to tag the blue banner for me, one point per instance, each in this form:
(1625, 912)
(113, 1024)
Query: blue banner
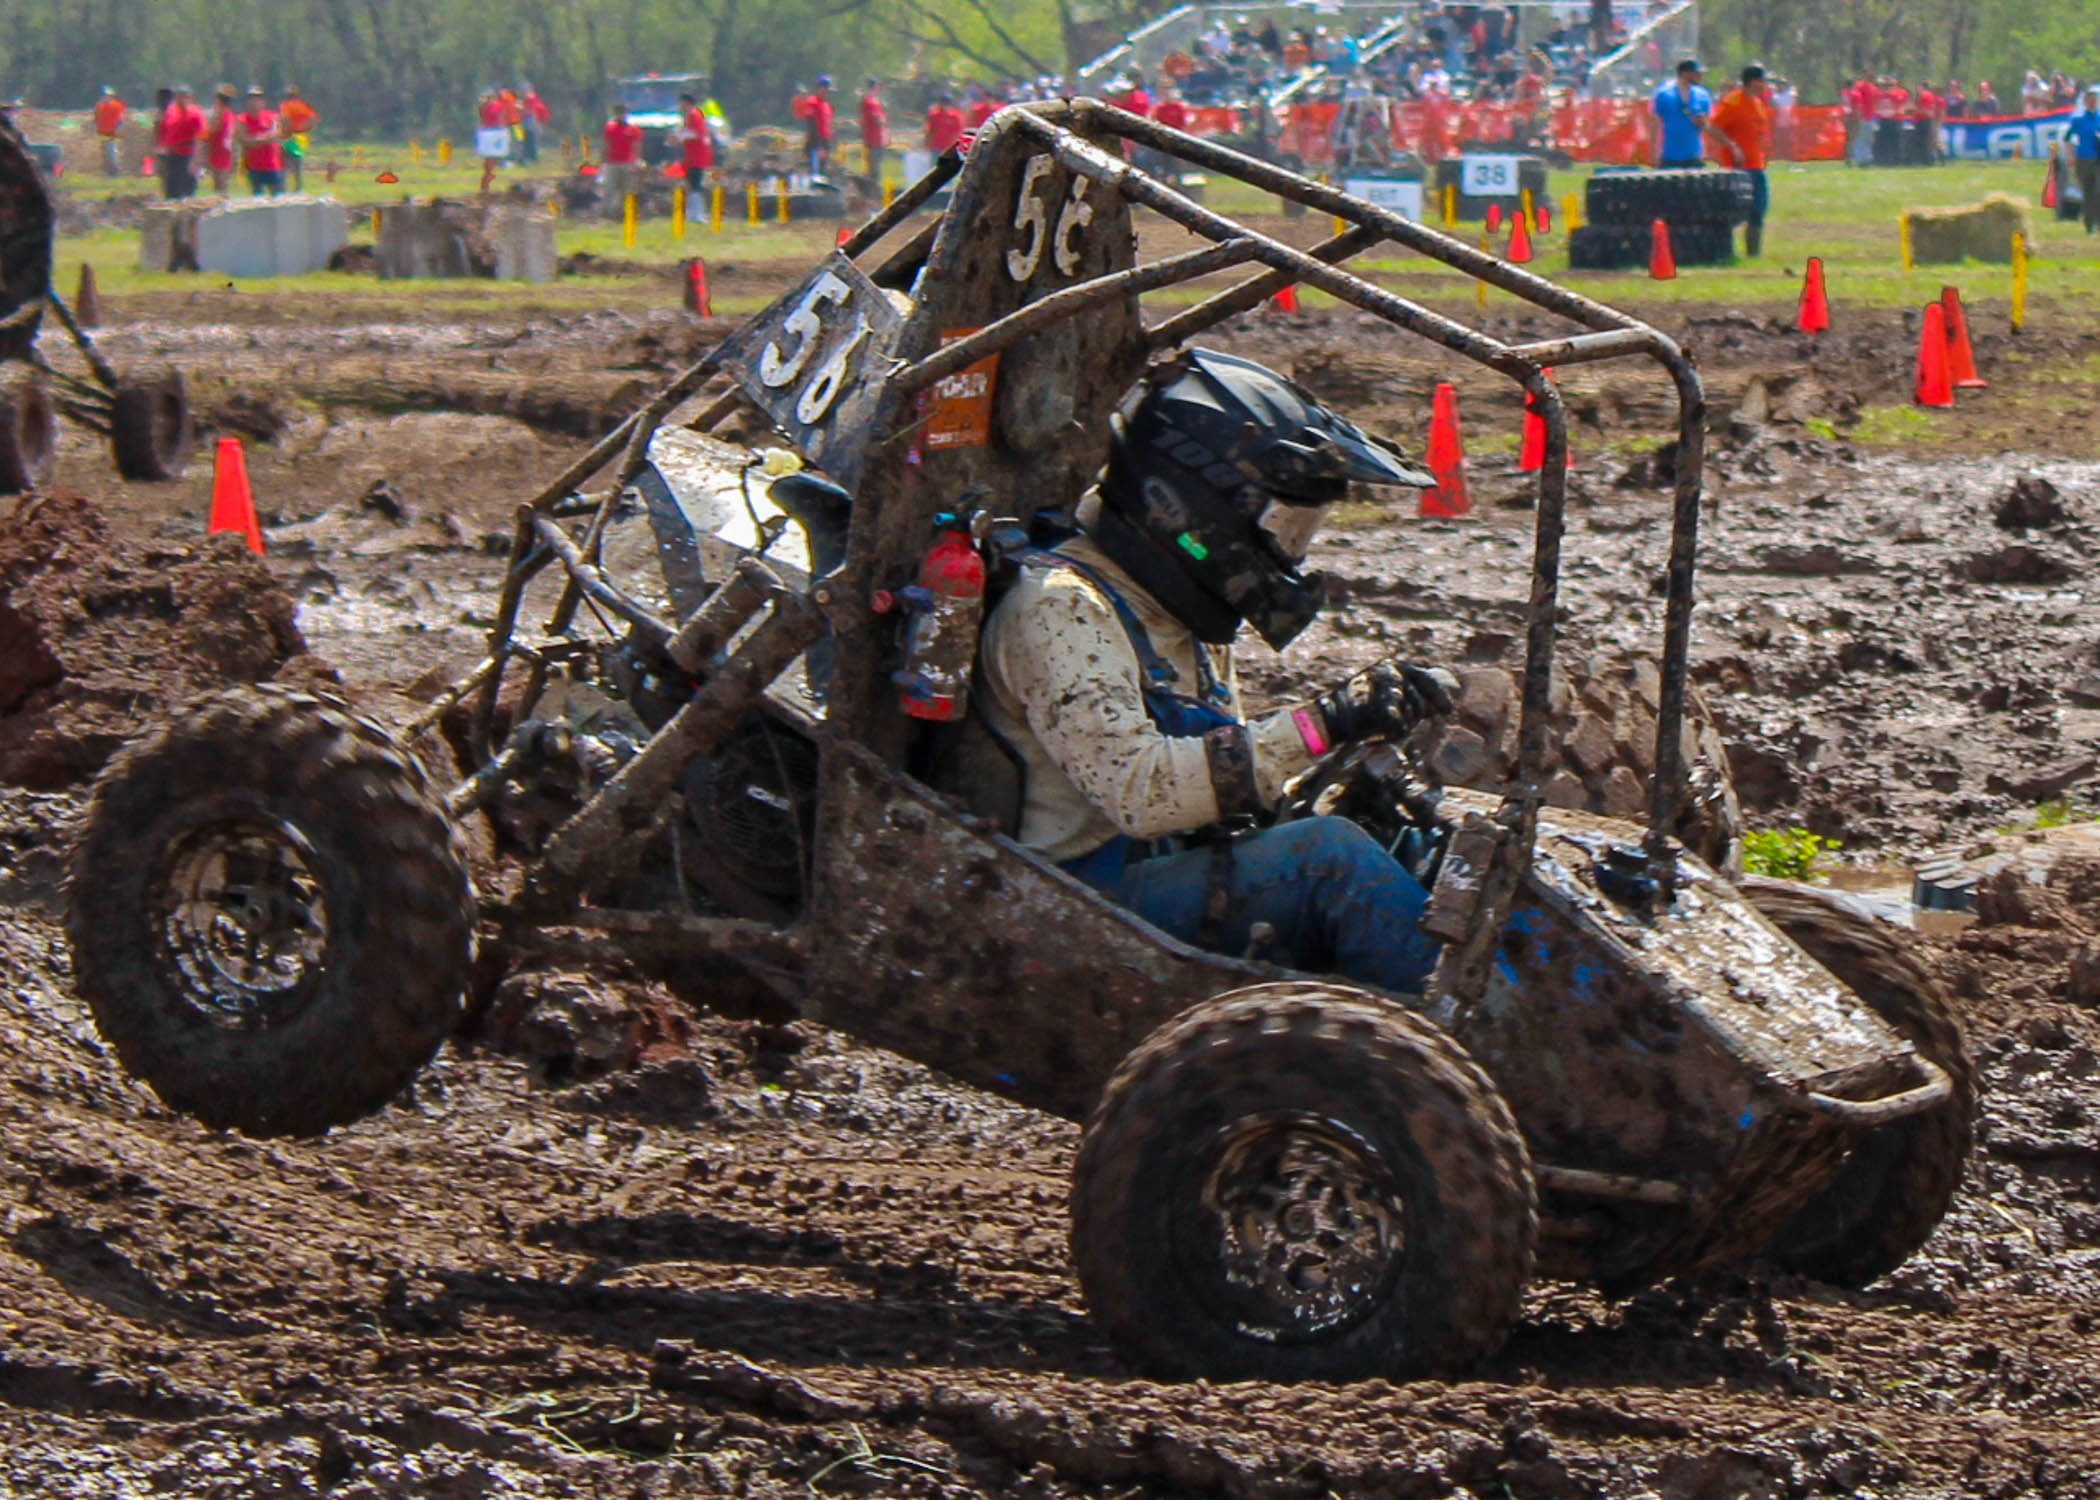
(2003, 135)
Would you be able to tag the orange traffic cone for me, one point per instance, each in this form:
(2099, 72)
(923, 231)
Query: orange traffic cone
(1519, 241)
(2049, 183)
(87, 301)
(845, 234)
(1662, 265)
(1447, 457)
(1932, 387)
(1286, 299)
(1814, 314)
(1961, 358)
(386, 179)
(1545, 217)
(1531, 453)
(1494, 217)
(696, 297)
(232, 502)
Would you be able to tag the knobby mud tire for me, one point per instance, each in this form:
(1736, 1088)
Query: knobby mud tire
(1387, 1079)
(151, 432)
(28, 429)
(1601, 730)
(1900, 1180)
(372, 838)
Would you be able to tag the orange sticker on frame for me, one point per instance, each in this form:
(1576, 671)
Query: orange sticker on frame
(960, 415)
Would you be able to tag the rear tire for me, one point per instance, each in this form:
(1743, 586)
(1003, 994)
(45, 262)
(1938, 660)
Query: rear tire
(1900, 1179)
(270, 915)
(150, 430)
(1302, 1181)
(28, 429)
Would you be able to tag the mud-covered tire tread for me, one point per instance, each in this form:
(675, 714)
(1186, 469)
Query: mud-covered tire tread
(150, 430)
(1336, 1044)
(400, 905)
(28, 429)
(1878, 962)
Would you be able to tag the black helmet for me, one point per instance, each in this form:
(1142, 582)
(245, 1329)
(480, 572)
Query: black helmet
(1219, 474)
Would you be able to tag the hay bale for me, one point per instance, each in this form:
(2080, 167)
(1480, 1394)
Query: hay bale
(1974, 231)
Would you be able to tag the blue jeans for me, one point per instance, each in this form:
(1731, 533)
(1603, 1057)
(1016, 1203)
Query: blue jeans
(1338, 903)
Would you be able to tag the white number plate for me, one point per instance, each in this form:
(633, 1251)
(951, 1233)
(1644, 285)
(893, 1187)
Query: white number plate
(1488, 176)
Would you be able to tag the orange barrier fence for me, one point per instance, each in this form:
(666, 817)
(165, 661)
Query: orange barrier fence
(1615, 132)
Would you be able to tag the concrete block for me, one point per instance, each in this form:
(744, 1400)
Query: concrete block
(524, 240)
(253, 237)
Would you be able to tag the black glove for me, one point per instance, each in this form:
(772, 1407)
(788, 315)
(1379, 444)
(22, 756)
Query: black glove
(1382, 702)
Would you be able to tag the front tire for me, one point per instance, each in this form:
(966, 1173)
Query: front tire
(270, 915)
(1302, 1181)
(1899, 1181)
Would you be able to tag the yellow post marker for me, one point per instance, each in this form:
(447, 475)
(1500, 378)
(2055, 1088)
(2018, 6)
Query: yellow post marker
(714, 218)
(783, 214)
(678, 212)
(2019, 286)
(630, 212)
(1447, 202)
(375, 225)
(751, 203)
(357, 156)
(889, 192)
(1531, 222)
(1570, 213)
(444, 152)
(415, 151)
(1903, 233)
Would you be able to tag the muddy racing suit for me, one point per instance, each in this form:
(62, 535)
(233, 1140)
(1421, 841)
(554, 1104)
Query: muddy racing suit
(1111, 705)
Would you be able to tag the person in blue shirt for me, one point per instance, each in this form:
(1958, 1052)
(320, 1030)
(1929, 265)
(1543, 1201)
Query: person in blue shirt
(1680, 109)
(2082, 135)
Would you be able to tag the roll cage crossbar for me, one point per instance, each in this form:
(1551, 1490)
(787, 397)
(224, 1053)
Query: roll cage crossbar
(1061, 130)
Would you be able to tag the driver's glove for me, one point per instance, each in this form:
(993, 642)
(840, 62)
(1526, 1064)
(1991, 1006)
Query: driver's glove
(1383, 702)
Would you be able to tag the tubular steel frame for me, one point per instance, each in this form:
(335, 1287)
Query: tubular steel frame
(586, 842)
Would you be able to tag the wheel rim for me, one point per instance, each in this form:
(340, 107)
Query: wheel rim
(242, 921)
(1300, 1226)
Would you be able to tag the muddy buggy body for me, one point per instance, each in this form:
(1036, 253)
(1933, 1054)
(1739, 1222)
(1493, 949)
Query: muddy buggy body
(1627, 1065)
(143, 412)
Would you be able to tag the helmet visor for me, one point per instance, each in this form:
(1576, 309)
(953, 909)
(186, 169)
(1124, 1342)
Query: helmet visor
(1291, 528)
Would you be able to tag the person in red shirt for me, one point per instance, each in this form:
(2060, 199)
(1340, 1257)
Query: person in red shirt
(262, 146)
(1927, 109)
(816, 115)
(874, 128)
(182, 125)
(489, 110)
(109, 121)
(623, 162)
(535, 113)
(1135, 99)
(1891, 109)
(944, 125)
(696, 153)
(1171, 111)
(219, 137)
(297, 118)
(1859, 103)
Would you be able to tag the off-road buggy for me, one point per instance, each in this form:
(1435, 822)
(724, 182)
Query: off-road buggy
(144, 412)
(1626, 1066)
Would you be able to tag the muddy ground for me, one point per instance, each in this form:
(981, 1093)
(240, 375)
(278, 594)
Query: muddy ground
(647, 1248)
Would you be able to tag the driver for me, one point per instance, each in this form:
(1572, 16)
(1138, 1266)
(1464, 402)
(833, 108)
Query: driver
(1107, 670)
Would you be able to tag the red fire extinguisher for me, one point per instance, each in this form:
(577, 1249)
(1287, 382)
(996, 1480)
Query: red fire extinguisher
(947, 610)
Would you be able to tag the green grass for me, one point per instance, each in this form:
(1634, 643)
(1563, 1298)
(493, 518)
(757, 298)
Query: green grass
(1846, 216)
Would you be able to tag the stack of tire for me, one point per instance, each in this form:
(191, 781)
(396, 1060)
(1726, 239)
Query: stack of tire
(1701, 207)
